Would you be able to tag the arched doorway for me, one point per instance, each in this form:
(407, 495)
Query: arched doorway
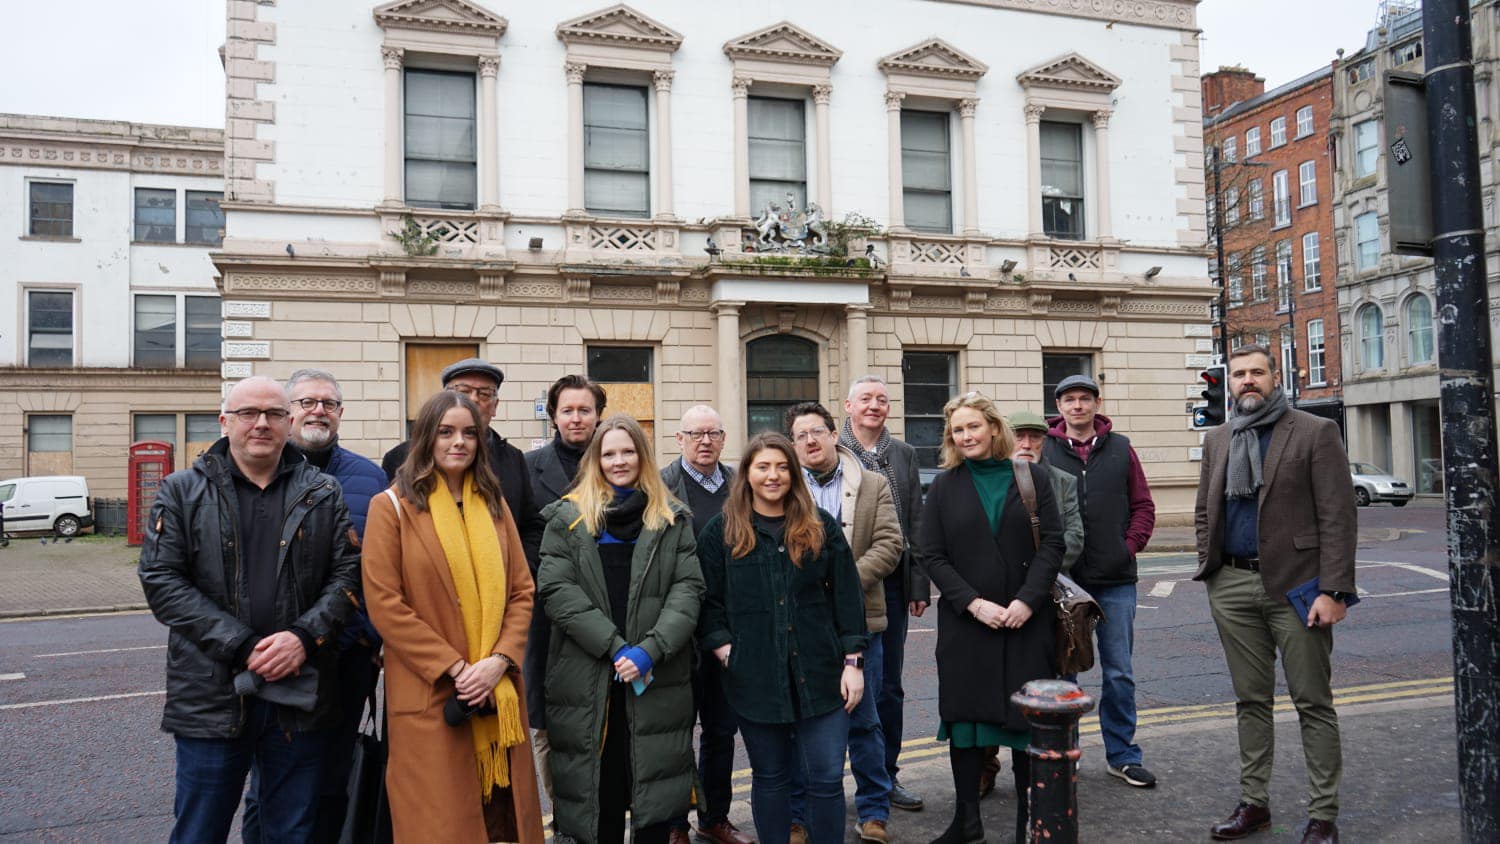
(780, 371)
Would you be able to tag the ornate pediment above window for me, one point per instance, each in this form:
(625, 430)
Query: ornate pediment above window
(1071, 82)
(933, 68)
(619, 37)
(442, 26)
(777, 49)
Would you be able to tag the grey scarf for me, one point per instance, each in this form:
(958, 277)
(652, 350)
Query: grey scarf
(874, 460)
(1245, 478)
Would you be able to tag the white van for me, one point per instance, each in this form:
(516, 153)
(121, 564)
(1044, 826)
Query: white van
(58, 503)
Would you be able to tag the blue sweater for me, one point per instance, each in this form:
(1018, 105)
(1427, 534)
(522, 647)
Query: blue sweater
(361, 480)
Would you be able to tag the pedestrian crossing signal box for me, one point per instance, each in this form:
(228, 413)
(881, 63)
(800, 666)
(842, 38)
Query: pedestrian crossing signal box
(150, 464)
(1215, 407)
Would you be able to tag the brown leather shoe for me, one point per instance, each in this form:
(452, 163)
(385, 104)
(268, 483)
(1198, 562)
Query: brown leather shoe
(1245, 819)
(678, 836)
(798, 834)
(874, 832)
(724, 832)
(1321, 832)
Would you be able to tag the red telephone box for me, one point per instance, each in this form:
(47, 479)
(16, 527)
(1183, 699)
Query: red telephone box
(150, 463)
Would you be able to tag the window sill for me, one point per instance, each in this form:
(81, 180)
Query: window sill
(1316, 384)
(1318, 289)
(49, 239)
(1279, 226)
(1307, 204)
(189, 243)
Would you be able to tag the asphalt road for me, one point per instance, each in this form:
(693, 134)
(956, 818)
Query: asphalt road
(82, 759)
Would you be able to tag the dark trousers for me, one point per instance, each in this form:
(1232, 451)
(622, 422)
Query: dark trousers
(816, 747)
(357, 673)
(211, 776)
(615, 781)
(715, 741)
(892, 697)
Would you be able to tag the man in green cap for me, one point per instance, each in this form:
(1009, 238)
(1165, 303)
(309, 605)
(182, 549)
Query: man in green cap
(1030, 431)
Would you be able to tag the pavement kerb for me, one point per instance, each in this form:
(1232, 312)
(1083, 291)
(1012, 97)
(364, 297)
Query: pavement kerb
(48, 613)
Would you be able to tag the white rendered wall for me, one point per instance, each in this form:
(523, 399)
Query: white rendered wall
(329, 104)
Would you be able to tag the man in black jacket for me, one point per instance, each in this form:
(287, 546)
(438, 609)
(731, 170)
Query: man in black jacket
(250, 559)
(480, 381)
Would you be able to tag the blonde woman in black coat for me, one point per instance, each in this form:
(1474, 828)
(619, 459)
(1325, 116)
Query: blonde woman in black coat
(995, 616)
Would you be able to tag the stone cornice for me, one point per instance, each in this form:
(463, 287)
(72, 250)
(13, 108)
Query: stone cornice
(619, 24)
(934, 57)
(110, 145)
(440, 16)
(1168, 14)
(784, 42)
(108, 377)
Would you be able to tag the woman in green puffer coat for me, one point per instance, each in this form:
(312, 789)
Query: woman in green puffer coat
(620, 579)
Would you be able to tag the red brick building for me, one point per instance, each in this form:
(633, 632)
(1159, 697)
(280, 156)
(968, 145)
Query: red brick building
(1275, 177)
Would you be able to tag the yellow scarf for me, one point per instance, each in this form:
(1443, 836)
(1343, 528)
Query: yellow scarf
(472, 547)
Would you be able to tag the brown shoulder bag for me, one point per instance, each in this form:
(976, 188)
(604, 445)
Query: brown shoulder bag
(1077, 611)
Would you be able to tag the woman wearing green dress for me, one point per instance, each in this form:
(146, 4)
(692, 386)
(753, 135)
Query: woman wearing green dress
(995, 616)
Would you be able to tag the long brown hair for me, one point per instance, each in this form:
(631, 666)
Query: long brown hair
(419, 476)
(804, 528)
(591, 493)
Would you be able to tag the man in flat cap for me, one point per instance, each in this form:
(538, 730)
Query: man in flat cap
(480, 381)
(1118, 517)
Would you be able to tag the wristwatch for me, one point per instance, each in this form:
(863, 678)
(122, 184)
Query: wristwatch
(855, 662)
(1341, 597)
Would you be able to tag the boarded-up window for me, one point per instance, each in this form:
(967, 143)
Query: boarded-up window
(202, 431)
(625, 374)
(424, 370)
(49, 445)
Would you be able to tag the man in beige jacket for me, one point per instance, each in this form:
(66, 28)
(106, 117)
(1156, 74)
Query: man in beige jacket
(861, 500)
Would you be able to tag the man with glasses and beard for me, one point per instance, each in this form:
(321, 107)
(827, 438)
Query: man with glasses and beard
(1275, 516)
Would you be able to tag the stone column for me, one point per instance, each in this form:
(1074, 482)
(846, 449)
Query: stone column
(394, 59)
(731, 397)
(575, 137)
(1101, 169)
(821, 96)
(1403, 444)
(971, 178)
(741, 87)
(489, 154)
(663, 82)
(893, 143)
(857, 325)
(1034, 168)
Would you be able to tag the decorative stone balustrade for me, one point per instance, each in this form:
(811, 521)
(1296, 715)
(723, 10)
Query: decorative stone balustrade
(612, 241)
(462, 235)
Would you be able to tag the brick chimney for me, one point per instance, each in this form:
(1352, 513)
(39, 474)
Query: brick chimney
(1227, 86)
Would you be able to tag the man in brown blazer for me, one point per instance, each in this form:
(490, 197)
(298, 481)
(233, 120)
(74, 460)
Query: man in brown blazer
(1275, 511)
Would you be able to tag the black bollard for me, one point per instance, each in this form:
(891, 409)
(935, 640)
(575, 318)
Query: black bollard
(1053, 708)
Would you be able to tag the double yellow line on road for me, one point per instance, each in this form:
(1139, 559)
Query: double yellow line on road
(925, 748)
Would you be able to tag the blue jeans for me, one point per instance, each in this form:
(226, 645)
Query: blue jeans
(872, 785)
(1116, 637)
(211, 778)
(816, 746)
(892, 699)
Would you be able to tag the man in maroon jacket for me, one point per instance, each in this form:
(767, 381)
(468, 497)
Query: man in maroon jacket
(1118, 517)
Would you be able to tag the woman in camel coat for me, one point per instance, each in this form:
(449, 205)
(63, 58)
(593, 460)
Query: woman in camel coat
(432, 779)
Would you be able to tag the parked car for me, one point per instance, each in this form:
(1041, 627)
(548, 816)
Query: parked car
(1372, 483)
(59, 503)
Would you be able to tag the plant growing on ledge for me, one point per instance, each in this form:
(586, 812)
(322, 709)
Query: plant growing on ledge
(415, 242)
(854, 226)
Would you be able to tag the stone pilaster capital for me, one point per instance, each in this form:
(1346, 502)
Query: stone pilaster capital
(662, 79)
(740, 85)
(394, 57)
(967, 106)
(893, 100)
(575, 71)
(822, 94)
(726, 308)
(1101, 118)
(489, 66)
(1034, 112)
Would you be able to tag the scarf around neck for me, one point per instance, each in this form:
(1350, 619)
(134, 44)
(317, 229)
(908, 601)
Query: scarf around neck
(472, 548)
(624, 516)
(875, 460)
(1245, 471)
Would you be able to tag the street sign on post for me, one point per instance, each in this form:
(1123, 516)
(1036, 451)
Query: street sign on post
(1408, 168)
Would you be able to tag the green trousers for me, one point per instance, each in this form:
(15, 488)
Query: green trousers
(1253, 628)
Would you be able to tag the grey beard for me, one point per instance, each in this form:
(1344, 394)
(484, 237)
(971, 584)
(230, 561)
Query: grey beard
(316, 439)
(1251, 402)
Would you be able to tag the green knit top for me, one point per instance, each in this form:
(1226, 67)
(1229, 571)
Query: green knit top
(992, 478)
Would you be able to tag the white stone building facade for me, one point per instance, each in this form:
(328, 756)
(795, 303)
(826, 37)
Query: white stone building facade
(586, 181)
(1387, 302)
(109, 313)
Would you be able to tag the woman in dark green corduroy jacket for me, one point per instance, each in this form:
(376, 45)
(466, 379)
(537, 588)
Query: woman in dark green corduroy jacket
(785, 615)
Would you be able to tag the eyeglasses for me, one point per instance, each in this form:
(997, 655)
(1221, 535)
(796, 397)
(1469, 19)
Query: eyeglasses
(251, 415)
(812, 433)
(476, 393)
(329, 405)
(700, 436)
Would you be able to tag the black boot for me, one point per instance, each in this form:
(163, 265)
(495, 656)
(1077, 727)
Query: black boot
(1021, 763)
(967, 826)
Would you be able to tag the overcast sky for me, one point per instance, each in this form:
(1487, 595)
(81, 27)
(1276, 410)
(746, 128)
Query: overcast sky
(156, 61)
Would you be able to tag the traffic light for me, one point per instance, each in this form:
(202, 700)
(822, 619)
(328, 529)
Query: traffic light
(1216, 394)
